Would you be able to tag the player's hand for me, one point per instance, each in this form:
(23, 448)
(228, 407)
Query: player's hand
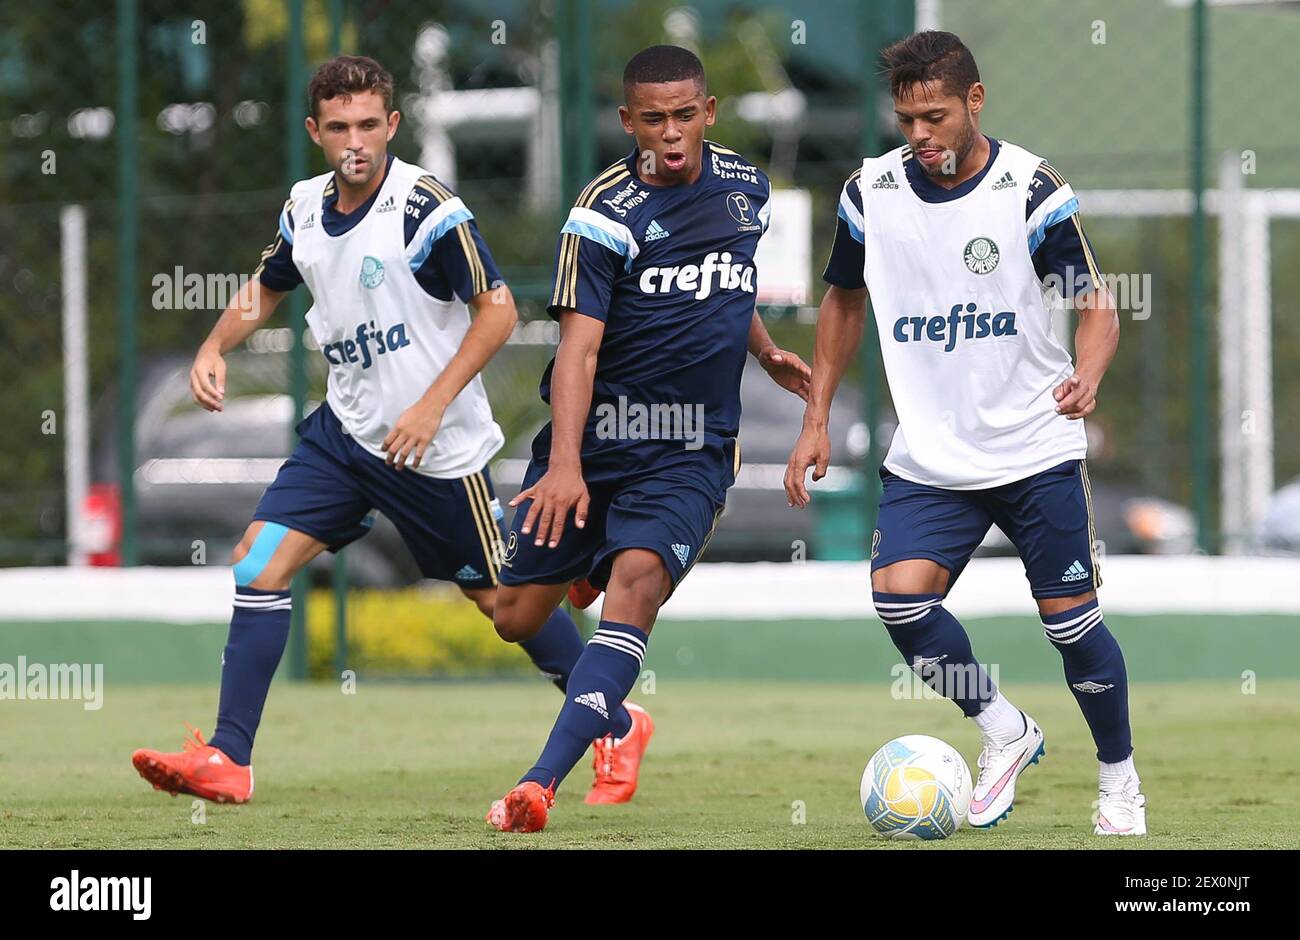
(208, 379)
(787, 370)
(417, 426)
(813, 449)
(1076, 397)
(560, 489)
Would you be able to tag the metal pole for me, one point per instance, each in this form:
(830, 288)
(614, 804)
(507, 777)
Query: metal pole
(569, 181)
(339, 572)
(868, 351)
(584, 111)
(127, 217)
(295, 169)
(76, 432)
(1201, 419)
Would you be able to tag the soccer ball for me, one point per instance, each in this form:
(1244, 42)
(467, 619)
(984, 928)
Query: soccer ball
(916, 787)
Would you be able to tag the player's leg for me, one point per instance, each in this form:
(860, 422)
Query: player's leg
(924, 538)
(313, 503)
(1049, 519)
(453, 528)
(655, 529)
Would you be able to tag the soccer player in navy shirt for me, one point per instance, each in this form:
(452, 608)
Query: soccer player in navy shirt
(655, 290)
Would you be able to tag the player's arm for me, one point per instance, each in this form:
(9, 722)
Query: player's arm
(1095, 342)
(786, 369)
(592, 252)
(251, 307)
(562, 488)
(449, 258)
(840, 321)
(1063, 258)
(494, 320)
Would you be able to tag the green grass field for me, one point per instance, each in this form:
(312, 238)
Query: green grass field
(416, 765)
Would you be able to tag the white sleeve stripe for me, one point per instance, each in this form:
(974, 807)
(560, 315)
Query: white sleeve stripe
(1058, 198)
(851, 213)
(433, 226)
(618, 232)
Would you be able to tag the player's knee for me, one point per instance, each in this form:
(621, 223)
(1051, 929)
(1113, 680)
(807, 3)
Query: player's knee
(484, 600)
(254, 559)
(511, 619)
(914, 576)
(641, 578)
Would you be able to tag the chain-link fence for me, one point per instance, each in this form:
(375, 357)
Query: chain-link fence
(514, 105)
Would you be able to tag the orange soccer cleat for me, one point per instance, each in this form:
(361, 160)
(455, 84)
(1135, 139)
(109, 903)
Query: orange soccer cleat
(581, 594)
(618, 760)
(523, 809)
(200, 769)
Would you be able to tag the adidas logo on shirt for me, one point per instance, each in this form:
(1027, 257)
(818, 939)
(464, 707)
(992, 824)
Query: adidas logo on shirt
(886, 181)
(388, 205)
(654, 231)
(595, 701)
(1076, 572)
(467, 574)
(311, 220)
(1006, 182)
(683, 552)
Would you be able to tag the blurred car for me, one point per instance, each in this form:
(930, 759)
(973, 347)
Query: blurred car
(199, 475)
(1279, 531)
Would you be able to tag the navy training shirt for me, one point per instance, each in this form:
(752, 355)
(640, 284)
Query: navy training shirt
(670, 271)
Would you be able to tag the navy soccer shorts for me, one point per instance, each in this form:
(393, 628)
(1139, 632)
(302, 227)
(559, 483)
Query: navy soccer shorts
(329, 485)
(1047, 517)
(670, 509)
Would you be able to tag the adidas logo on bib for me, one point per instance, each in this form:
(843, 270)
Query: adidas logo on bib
(886, 181)
(654, 231)
(1006, 182)
(1076, 572)
(388, 205)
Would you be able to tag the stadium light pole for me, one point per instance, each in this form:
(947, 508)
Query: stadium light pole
(295, 144)
(127, 217)
(1200, 368)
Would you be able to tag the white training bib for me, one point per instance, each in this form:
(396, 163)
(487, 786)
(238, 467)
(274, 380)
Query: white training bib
(385, 338)
(965, 328)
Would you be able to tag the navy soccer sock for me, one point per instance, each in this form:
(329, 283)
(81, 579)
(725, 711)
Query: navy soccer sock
(555, 651)
(556, 647)
(1094, 668)
(601, 679)
(935, 645)
(259, 629)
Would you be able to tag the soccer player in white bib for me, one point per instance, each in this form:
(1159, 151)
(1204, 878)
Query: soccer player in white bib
(964, 242)
(394, 263)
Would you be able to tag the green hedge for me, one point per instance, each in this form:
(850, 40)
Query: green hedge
(413, 631)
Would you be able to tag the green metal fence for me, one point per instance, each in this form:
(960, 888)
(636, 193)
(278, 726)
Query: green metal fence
(179, 133)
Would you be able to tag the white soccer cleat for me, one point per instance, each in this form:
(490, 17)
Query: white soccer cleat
(1121, 812)
(995, 789)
